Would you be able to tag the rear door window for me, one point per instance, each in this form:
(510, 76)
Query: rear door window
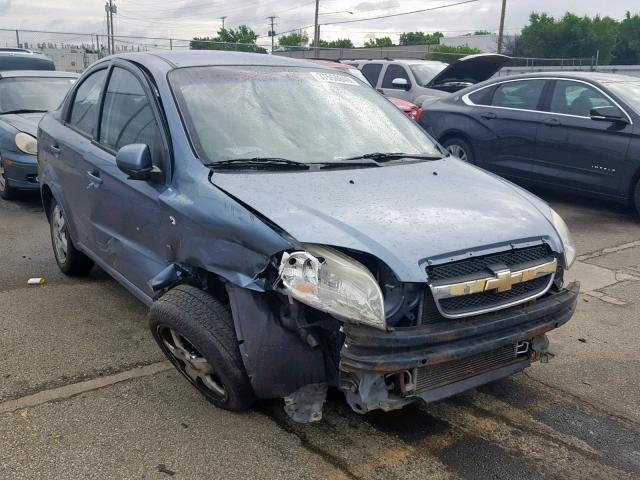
(521, 94)
(371, 71)
(127, 116)
(482, 97)
(393, 72)
(86, 103)
(576, 98)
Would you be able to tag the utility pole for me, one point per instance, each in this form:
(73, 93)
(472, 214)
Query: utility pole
(222, 18)
(110, 8)
(106, 9)
(17, 39)
(501, 33)
(272, 32)
(316, 32)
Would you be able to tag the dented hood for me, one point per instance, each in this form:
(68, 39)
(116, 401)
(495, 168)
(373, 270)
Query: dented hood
(403, 214)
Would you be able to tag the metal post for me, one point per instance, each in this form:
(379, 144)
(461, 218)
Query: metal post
(17, 39)
(98, 49)
(171, 44)
(501, 32)
(106, 9)
(597, 58)
(113, 43)
(316, 31)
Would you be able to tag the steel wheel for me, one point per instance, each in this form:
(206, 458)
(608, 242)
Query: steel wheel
(457, 151)
(59, 231)
(191, 363)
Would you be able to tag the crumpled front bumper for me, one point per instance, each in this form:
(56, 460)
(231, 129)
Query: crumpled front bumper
(369, 355)
(390, 351)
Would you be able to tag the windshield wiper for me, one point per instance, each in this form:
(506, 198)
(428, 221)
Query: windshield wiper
(258, 163)
(23, 110)
(387, 157)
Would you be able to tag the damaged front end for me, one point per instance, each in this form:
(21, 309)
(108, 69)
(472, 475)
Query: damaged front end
(342, 320)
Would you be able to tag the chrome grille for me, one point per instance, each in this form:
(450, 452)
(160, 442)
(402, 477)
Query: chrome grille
(466, 303)
(483, 284)
(433, 376)
(471, 266)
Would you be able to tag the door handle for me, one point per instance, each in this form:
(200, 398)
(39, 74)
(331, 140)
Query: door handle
(488, 115)
(94, 179)
(551, 122)
(55, 150)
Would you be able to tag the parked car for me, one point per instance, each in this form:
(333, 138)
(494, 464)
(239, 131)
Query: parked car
(307, 239)
(22, 59)
(411, 110)
(572, 131)
(24, 97)
(419, 80)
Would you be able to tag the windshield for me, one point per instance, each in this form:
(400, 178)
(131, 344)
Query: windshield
(299, 114)
(33, 93)
(424, 72)
(628, 91)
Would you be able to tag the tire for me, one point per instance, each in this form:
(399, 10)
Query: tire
(460, 148)
(6, 192)
(636, 197)
(196, 333)
(70, 260)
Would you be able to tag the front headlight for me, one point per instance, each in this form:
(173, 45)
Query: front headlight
(26, 143)
(332, 282)
(565, 236)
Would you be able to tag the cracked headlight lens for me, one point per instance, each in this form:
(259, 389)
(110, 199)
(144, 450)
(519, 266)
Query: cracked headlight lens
(332, 282)
(565, 236)
(26, 143)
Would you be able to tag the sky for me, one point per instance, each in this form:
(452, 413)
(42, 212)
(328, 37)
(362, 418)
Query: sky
(188, 18)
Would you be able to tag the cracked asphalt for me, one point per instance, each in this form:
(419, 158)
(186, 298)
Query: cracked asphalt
(85, 393)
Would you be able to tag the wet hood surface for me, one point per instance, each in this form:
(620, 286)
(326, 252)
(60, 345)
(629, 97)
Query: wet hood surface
(403, 214)
(25, 122)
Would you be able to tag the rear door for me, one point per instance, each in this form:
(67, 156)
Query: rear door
(73, 147)
(576, 151)
(129, 228)
(392, 72)
(510, 113)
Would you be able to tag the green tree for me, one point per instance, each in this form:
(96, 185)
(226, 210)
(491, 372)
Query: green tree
(379, 42)
(420, 38)
(446, 53)
(339, 43)
(243, 39)
(294, 39)
(569, 37)
(627, 48)
(482, 32)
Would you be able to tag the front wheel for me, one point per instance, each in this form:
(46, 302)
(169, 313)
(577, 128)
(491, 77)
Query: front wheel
(460, 148)
(6, 192)
(196, 333)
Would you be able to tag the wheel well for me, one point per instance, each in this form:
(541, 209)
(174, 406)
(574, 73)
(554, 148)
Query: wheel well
(47, 196)
(632, 188)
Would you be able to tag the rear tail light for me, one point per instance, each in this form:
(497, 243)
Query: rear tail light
(418, 114)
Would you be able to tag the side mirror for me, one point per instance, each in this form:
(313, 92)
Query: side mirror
(135, 161)
(402, 83)
(608, 114)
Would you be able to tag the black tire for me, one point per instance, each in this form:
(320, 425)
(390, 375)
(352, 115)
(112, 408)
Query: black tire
(73, 262)
(6, 192)
(205, 329)
(455, 145)
(636, 197)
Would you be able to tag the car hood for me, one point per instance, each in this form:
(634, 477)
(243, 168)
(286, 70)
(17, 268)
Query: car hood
(470, 69)
(405, 215)
(25, 122)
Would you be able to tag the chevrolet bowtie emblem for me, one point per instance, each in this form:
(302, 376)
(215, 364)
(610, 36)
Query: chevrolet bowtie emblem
(502, 281)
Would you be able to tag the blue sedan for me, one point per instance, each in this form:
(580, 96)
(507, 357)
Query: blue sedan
(25, 96)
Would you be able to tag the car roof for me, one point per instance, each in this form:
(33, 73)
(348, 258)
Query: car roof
(592, 76)
(404, 61)
(37, 73)
(202, 58)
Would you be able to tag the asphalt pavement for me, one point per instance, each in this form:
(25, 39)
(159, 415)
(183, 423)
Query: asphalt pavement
(86, 393)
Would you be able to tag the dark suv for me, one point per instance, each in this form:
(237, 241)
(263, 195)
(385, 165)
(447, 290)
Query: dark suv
(292, 230)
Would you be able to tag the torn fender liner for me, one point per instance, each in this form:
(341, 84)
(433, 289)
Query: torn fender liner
(276, 359)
